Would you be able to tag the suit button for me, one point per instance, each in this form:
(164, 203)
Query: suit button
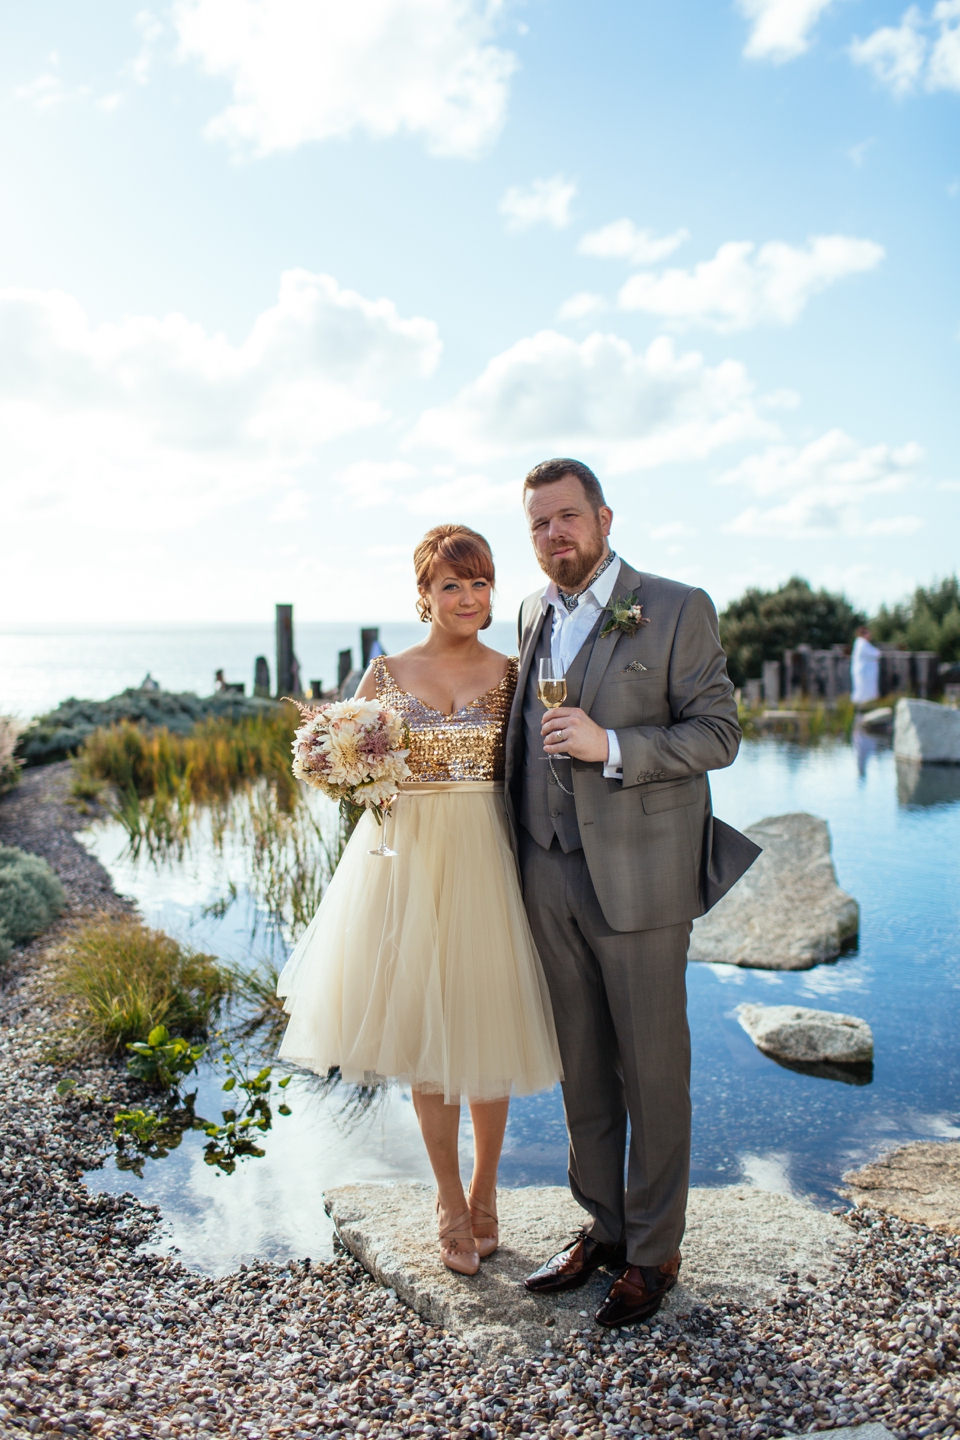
(554, 812)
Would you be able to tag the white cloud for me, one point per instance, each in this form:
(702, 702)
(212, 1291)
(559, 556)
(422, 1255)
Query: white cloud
(621, 240)
(827, 484)
(944, 68)
(781, 28)
(895, 54)
(581, 305)
(545, 202)
(634, 410)
(369, 482)
(305, 70)
(149, 419)
(48, 91)
(468, 495)
(743, 286)
(906, 59)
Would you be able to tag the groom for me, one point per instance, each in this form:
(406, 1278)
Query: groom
(614, 832)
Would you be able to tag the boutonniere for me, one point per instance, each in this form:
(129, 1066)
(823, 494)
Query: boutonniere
(626, 614)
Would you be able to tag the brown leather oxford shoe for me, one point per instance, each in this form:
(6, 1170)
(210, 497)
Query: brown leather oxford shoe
(638, 1293)
(574, 1266)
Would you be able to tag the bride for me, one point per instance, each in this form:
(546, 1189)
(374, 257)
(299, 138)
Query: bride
(422, 968)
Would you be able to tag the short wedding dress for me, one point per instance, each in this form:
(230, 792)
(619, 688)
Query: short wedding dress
(422, 968)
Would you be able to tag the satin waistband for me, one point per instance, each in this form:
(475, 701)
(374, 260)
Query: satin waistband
(438, 787)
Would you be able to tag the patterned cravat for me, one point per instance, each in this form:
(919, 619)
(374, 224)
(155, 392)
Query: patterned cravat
(572, 601)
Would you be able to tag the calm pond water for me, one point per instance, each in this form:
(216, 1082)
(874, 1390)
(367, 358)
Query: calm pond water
(896, 840)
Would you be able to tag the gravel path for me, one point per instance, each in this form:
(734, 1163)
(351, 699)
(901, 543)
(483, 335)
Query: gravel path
(99, 1336)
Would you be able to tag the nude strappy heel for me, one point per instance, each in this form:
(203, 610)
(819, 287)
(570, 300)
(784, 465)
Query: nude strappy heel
(458, 1249)
(480, 1216)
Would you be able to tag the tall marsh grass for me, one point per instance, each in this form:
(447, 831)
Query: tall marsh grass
(205, 767)
(122, 979)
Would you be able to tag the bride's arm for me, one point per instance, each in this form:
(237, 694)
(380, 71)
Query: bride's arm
(367, 689)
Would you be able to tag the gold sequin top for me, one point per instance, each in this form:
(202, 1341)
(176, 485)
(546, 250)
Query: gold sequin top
(467, 745)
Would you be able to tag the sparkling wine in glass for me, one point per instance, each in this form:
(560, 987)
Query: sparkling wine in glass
(552, 690)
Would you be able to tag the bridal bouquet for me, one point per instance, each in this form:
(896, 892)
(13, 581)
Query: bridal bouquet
(354, 751)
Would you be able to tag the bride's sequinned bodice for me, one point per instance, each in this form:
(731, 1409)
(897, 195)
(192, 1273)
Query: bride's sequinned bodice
(468, 745)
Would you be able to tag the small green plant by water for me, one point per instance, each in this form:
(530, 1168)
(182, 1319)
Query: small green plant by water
(163, 1061)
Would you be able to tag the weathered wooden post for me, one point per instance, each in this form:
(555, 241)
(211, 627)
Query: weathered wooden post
(285, 677)
(802, 662)
(261, 677)
(368, 640)
(926, 673)
(344, 666)
(316, 689)
(771, 682)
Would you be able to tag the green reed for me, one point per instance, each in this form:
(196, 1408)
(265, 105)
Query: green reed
(122, 979)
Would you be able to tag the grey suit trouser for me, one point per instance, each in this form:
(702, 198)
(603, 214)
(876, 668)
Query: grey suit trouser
(620, 1008)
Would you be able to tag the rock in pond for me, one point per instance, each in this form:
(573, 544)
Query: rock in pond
(738, 1244)
(926, 732)
(879, 719)
(787, 912)
(792, 1032)
(919, 1182)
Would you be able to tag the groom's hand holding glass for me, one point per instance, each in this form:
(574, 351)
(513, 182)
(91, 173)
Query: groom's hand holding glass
(570, 731)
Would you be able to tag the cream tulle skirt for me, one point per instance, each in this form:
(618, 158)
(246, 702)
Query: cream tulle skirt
(423, 968)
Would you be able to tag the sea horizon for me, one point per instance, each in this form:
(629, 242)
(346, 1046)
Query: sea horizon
(44, 663)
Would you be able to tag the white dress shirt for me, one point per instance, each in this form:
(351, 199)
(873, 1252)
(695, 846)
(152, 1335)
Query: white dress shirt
(570, 630)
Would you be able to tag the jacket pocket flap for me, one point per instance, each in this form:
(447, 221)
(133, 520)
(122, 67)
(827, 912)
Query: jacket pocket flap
(670, 797)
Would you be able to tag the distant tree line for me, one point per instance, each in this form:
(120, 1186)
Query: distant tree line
(763, 623)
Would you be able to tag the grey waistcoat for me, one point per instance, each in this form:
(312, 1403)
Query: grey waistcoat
(545, 811)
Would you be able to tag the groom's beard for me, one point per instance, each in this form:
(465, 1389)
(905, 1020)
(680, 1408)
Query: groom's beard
(573, 571)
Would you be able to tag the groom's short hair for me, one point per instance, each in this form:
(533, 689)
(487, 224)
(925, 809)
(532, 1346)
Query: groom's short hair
(548, 472)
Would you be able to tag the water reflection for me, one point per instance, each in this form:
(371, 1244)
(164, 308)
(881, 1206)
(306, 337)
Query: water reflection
(861, 1074)
(927, 784)
(770, 1124)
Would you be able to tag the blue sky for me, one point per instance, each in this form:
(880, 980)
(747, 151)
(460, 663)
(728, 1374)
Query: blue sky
(283, 282)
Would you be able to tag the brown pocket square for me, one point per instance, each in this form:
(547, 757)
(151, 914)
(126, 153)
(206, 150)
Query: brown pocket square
(634, 665)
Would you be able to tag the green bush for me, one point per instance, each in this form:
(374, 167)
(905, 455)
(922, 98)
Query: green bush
(929, 620)
(31, 897)
(763, 623)
(61, 732)
(10, 731)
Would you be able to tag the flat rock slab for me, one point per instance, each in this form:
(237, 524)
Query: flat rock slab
(919, 1183)
(738, 1241)
(879, 719)
(787, 912)
(926, 732)
(870, 1431)
(793, 1032)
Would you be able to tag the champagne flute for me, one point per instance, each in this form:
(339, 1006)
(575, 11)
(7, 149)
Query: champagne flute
(552, 690)
(383, 849)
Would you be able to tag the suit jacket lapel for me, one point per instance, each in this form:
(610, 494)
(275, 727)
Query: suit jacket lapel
(627, 581)
(531, 638)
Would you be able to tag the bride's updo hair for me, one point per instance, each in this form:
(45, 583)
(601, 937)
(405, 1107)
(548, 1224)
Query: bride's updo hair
(465, 552)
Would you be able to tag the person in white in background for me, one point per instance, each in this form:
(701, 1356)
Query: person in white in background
(864, 668)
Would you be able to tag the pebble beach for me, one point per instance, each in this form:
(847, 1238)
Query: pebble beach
(102, 1335)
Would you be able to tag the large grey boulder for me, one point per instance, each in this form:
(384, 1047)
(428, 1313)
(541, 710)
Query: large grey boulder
(738, 1245)
(919, 1182)
(787, 912)
(926, 732)
(792, 1032)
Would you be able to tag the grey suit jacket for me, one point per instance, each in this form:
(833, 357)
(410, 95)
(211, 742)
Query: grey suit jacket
(649, 839)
